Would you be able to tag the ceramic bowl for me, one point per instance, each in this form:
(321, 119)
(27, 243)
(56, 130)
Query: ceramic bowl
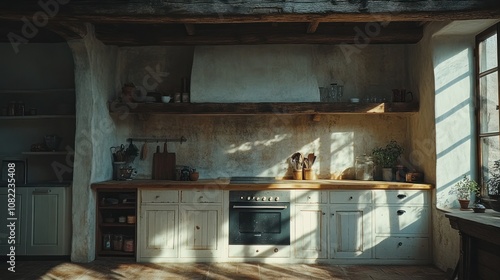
(354, 100)
(165, 99)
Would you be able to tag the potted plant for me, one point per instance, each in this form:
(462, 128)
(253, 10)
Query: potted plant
(387, 157)
(493, 184)
(463, 189)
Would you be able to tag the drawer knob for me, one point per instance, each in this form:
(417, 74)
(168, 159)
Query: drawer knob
(401, 196)
(401, 212)
(276, 250)
(157, 197)
(400, 244)
(350, 198)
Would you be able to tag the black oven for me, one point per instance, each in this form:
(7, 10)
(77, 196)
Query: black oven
(259, 217)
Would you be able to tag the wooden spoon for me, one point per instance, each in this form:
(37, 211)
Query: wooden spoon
(144, 151)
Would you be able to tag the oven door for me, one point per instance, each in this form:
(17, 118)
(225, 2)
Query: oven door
(259, 223)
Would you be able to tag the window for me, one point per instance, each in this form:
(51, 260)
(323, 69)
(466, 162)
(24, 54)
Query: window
(487, 97)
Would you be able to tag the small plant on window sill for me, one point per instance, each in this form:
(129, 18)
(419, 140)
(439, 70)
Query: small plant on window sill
(463, 189)
(493, 182)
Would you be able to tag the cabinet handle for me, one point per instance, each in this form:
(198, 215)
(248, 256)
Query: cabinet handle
(325, 213)
(400, 244)
(350, 198)
(157, 197)
(401, 212)
(333, 214)
(401, 196)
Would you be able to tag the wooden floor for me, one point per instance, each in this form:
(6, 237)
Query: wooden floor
(116, 268)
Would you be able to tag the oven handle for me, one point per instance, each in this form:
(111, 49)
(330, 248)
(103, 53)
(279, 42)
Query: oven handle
(259, 207)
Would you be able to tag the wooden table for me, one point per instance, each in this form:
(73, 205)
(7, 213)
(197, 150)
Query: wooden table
(479, 243)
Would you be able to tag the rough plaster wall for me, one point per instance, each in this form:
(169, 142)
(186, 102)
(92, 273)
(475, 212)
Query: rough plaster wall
(221, 146)
(292, 73)
(94, 76)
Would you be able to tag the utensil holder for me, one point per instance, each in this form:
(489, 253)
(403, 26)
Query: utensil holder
(297, 174)
(308, 174)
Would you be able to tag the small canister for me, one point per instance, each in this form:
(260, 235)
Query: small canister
(177, 97)
(364, 168)
(118, 242)
(106, 241)
(128, 245)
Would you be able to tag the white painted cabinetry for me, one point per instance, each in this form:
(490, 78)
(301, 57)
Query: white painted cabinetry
(179, 224)
(310, 224)
(43, 222)
(158, 225)
(402, 224)
(351, 224)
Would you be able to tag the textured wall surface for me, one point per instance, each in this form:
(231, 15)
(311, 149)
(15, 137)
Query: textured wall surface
(291, 73)
(94, 76)
(227, 146)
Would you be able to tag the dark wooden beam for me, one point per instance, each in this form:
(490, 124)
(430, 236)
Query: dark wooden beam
(218, 11)
(312, 26)
(190, 29)
(262, 33)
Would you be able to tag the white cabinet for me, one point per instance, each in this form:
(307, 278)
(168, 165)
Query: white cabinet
(200, 230)
(158, 225)
(350, 231)
(47, 223)
(176, 224)
(158, 233)
(19, 222)
(310, 231)
(43, 222)
(351, 224)
(402, 224)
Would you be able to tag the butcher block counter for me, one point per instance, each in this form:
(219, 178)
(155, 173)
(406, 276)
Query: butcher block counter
(226, 184)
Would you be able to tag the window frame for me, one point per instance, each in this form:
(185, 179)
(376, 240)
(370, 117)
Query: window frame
(477, 112)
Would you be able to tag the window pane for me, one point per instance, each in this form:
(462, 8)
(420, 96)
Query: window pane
(488, 53)
(490, 151)
(488, 101)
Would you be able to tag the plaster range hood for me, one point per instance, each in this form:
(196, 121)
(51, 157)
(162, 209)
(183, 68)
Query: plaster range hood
(269, 73)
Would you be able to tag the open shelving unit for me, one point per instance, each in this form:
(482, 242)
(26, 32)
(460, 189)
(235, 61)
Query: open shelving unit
(105, 209)
(285, 108)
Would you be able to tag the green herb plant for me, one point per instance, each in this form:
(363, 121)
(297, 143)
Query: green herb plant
(387, 156)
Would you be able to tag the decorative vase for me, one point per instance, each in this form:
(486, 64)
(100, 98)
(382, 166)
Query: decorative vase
(387, 174)
(464, 204)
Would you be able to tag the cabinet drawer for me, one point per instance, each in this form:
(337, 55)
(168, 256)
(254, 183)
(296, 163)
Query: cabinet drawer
(313, 197)
(351, 196)
(413, 197)
(201, 196)
(405, 220)
(159, 196)
(410, 248)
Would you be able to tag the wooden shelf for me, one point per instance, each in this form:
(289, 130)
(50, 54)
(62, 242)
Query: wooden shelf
(40, 91)
(47, 153)
(288, 108)
(115, 253)
(37, 117)
(117, 224)
(118, 206)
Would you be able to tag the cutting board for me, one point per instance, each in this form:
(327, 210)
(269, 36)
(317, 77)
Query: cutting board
(163, 164)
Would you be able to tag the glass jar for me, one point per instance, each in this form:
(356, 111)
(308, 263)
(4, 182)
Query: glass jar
(106, 241)
(364, 168)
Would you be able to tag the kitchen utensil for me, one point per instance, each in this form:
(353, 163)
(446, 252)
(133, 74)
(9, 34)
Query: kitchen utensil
(164, 164)
(144, 151)
(310, 160)
(156, 163)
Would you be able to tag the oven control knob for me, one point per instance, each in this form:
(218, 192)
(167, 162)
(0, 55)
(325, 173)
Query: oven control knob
(277, 198)
(270, 198)
(242, 198)
(257, 198)
(249, 198)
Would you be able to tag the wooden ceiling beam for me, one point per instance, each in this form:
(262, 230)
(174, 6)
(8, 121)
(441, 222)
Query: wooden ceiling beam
(190, 29)
(312, 26)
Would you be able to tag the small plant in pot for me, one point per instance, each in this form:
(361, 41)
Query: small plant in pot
(493, 184)
(387, 157)
(463, 189)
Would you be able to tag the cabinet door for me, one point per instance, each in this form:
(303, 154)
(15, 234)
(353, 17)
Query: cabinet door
(350, 231)
(158, 232)
(200, 230)
(310, 231)
(19, 220)
(45, 229)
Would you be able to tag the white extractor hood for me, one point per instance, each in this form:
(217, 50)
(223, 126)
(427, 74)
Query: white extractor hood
(270, 73)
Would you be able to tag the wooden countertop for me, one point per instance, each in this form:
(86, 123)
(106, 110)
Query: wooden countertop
(224, 184)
